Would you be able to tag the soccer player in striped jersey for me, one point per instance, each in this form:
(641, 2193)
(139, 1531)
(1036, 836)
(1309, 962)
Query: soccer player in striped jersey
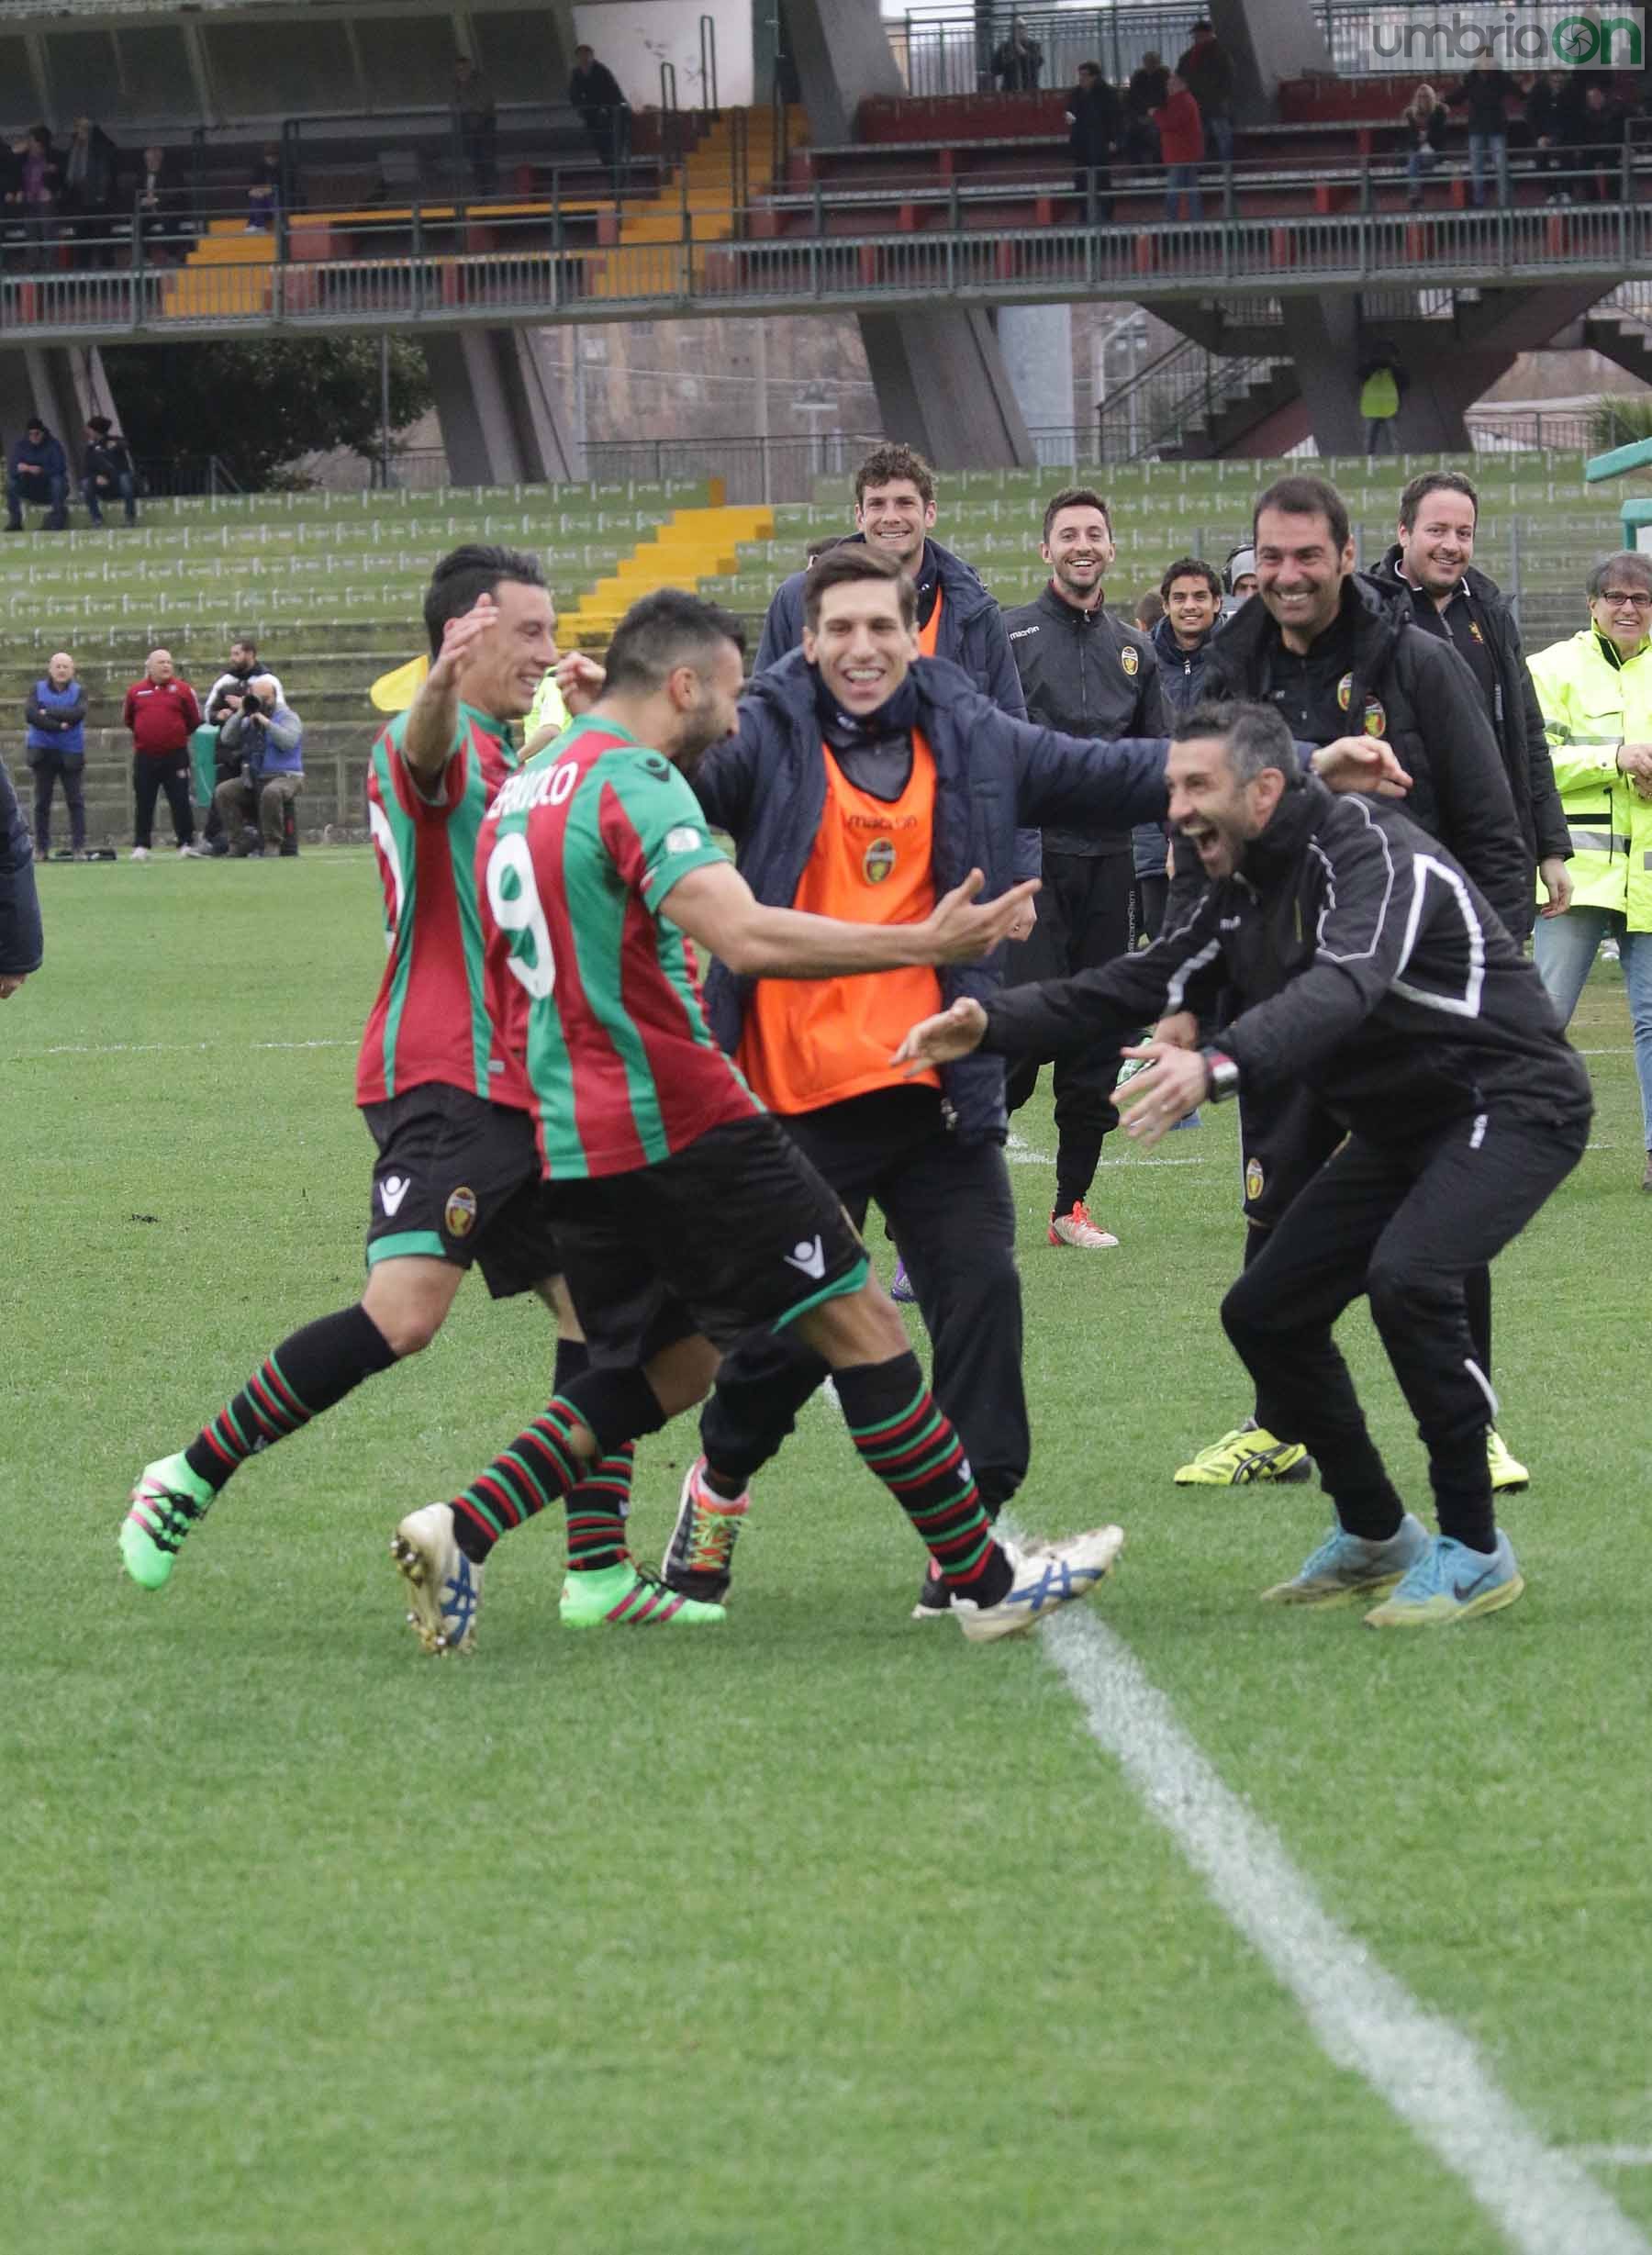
(457, 1176)
(685, 1215)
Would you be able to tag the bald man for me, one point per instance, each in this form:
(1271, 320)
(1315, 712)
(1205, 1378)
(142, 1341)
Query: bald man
(161, 710)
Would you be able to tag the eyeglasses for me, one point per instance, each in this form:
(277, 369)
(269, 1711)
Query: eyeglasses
(1625, 594)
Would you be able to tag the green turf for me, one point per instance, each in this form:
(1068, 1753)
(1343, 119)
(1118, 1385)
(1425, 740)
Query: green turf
(821, 1931)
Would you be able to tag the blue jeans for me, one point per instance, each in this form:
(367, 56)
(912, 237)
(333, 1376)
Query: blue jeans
(126, 486)
(1220, 130)
(1479, 144)
(1565, 948)
(1420, 162)
(22, 493)
(1183, 176)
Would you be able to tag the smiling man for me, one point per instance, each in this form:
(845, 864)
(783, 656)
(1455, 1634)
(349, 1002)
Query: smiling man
(1328, 651)
(1340, 953)
(1432, 564)
(1085, 672)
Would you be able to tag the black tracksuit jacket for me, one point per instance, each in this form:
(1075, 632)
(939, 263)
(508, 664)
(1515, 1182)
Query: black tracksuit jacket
(1358, 961)
(1404, 684)
(1086, 673)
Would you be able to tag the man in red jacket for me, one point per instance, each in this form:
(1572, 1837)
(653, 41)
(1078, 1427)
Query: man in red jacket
(161, 712)
(1181, 144)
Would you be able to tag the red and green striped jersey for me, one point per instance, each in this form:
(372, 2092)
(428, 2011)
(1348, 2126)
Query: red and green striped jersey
(589, 984)
(429, 1022)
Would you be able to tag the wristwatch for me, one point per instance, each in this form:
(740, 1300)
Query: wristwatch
(1221, 1074)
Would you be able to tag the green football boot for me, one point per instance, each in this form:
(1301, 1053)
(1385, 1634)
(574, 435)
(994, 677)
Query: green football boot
(627, 1597)
(167, 1502)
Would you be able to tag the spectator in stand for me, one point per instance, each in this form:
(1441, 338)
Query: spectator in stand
(1595, 693)
(55, 748)
(266, 735)
(1018, 62)
(475, 115)
(19, 902)
(158, 222)
(599, 99)
(1383, 383)
(263, 192)
(1485, 94)
(161, 711)
(1096, 126)
(90, 164)
(1602, 130)
(1207, 71)
(1149, 90)
(1422, 124)
(1543, 130)
(107, 471)
(38, 476)
(1181, 144)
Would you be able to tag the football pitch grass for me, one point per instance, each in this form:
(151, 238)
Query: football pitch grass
(819, 1931)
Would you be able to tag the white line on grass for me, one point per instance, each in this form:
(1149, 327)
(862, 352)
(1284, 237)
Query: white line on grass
(149, 1049)
(1427, 2070)
(1614, 2156)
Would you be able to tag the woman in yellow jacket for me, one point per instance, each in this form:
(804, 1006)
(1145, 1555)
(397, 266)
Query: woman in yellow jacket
(1596, 695)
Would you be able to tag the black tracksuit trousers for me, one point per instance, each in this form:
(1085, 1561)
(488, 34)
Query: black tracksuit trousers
(950, 1211)
(1405, 1224)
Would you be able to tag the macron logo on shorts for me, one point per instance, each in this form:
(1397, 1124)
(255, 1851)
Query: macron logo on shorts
(810, 1257)
(392, 1190)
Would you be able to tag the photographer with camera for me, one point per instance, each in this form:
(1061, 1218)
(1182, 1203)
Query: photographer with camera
(264, 737)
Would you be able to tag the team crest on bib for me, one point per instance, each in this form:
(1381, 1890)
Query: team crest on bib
(1376, 717)
(460, 1218)
(878, 860)
(1474, 630)
(1255, 1179)
(1345, 692)
(1130, 658)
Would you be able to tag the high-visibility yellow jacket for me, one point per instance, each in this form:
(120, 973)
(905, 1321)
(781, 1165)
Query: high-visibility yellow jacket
(1591, 704)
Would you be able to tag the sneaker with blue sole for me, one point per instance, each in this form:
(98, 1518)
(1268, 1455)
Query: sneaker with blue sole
(900, 1287)
(1451, 1583)
(1346, 1567)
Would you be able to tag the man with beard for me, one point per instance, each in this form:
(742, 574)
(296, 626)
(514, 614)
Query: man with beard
(1086, 674)
(1322, 646)
(1343, 953)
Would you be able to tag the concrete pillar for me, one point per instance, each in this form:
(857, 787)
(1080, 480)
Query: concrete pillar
(62, 383)
(1321, 336)
(1268, 39)
(940, 380)
(501, 421)
(1037, 342)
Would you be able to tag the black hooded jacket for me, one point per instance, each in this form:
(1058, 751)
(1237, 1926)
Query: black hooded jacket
(1517, 720)
(1410, 687)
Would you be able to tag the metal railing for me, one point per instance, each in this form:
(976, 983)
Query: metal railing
(951, 50)
(433, 268)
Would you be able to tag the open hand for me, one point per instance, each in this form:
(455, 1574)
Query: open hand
(940, 1039)
(1173, 1083)
(958, 931)
(1364, 764)
(459, 640)
(581, 681)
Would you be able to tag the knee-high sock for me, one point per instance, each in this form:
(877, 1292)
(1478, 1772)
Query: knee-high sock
(308, 1373)
(908, 1441)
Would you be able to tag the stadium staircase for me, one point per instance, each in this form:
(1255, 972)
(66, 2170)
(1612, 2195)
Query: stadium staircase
(229, 272)
(702, 191)
(330, 584)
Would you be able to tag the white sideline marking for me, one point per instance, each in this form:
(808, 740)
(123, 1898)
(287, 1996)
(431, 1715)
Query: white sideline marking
(149, 1049)
(1020, 1155)
(1364, 2019)
(1614, 2156)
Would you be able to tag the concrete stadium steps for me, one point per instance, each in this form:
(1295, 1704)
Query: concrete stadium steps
(228, 270)
(692, 545)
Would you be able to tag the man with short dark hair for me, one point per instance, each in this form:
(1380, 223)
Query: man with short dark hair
(599, 99)
(1095, 123)
(38, 477)
(1086, 674)
(957, 619)
(1325, 647)
(1351, 957)
(687, 1217)
(107, 471)
(1191, 596)
(1432, 565)
(1207, 70)
(475, 115)
(456, 1176)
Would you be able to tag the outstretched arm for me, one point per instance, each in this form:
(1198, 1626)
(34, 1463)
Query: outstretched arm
(715, 906)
